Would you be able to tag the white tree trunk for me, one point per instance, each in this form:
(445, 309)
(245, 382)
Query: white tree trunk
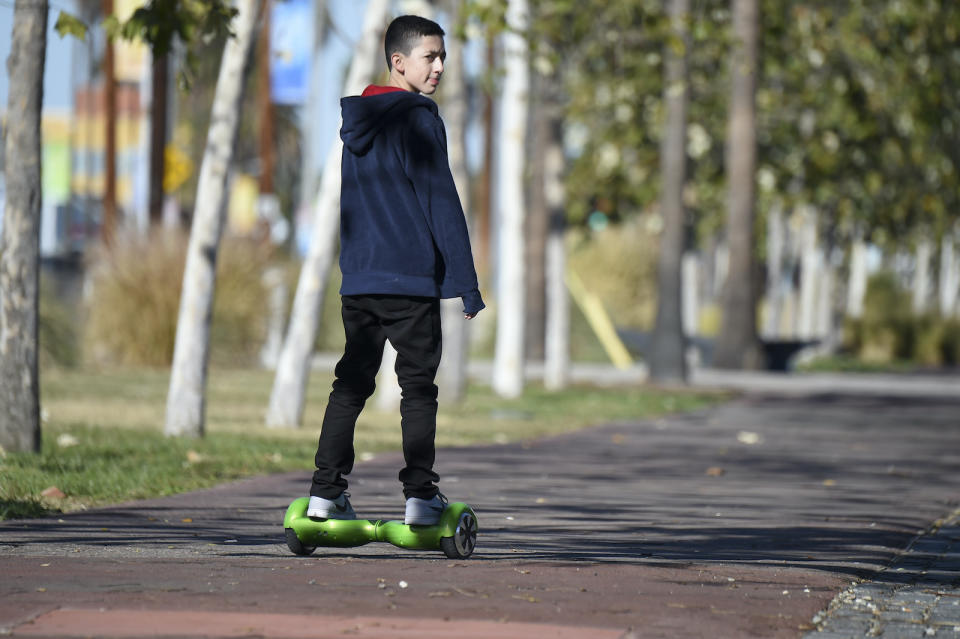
(293, 369)
(556, 365)
(188, 379)
(857, 284)
(690, 278)
(276, 288)
(921, 276)
(508, 361)
(775, 294)
(949, 275)
(388, 386)
(453, 367)
(824, 329)
(811, 270)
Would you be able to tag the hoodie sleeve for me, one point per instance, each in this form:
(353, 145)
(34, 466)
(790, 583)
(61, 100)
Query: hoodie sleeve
(428, 169)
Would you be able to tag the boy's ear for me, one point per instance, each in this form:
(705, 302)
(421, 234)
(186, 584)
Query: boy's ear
(396, 60)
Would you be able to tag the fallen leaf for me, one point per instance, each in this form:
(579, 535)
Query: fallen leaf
(194, 457)
(715, 471)
(829, 482)
(187, 520)
(66, 440)
(748, 438)
(527, 598)
(53, 493)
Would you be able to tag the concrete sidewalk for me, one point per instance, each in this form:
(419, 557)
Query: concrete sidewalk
(743, 520)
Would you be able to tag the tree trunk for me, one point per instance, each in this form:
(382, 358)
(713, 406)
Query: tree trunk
(159, 79)
(485, 189)
(20, 242)
(667, 351)
(508, 361)
(811, 271)
(556, 365)
(738, 345)
(293, 369)
(921, 277)
(311, 119)
(108, 224)
(188, 380)
(389, 394)
(453, 367)
(537, 225)
(857, 282)
(949, 273)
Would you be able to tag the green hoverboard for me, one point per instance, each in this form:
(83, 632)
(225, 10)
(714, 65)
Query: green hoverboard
(455, 535)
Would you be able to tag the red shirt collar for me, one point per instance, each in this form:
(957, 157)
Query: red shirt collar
(374, 89)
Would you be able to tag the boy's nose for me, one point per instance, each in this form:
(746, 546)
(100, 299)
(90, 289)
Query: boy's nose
(438, 65)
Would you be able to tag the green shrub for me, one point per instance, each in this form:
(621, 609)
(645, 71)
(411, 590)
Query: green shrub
(619, 265)
(132, 312)
(890, 332)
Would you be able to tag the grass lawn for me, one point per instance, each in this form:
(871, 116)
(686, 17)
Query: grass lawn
(103, 436)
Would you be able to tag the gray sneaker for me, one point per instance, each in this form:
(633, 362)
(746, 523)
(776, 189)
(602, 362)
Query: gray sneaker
(425, 512)
(338, 508)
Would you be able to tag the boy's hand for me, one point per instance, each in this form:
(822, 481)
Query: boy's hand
(469, 316)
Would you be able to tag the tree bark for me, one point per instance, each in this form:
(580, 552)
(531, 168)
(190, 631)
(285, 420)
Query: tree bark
(811, 272)
(108, 225)
(20, 247)
(667, 351)
(921, 277)
(857, 281)
(556, 365)
(537, 226)
(290, 384)
(949, 276)
(738, 345)
(188, 380)
(485, 189)
(508, 364)
(159, 80)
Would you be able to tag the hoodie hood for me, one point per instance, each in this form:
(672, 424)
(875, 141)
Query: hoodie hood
(365, 116)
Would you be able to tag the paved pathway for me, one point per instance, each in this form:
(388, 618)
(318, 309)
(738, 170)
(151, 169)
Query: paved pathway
(744, 520)
(917, 595)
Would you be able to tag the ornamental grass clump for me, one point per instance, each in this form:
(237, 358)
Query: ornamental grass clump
(134, 300)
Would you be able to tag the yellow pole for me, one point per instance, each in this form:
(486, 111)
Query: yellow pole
(599, 321)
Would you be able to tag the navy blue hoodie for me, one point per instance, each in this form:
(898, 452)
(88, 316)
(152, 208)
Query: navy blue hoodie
(402, 228)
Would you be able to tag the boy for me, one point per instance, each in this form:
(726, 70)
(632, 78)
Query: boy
(403, 246)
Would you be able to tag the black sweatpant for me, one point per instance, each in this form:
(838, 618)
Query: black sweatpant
(412, 324)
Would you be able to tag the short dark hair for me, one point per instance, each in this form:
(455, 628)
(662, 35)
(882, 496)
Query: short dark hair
(404, 32)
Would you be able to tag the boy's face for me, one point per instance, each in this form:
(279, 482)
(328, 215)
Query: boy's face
(420, 71)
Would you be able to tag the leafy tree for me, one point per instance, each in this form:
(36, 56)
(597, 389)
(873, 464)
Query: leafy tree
(865, 90)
